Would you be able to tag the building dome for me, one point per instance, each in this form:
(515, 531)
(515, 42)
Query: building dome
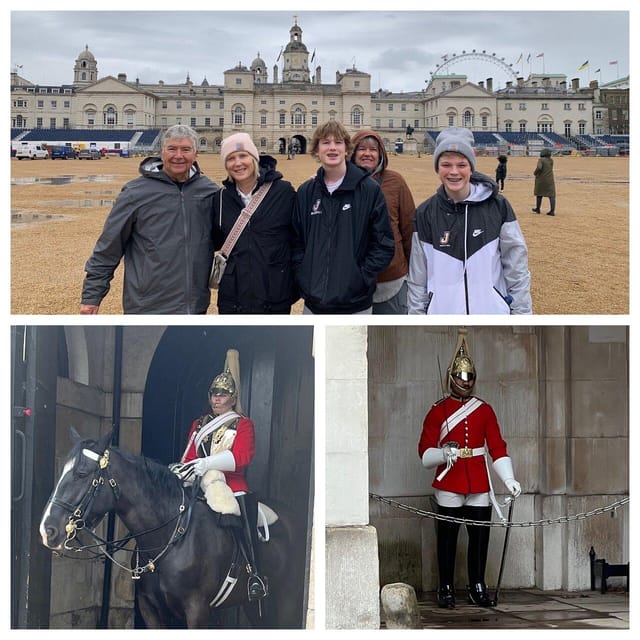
(258, 63)
(86, 55)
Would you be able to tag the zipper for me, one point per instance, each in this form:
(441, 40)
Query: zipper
(187, 252)
(466, 284)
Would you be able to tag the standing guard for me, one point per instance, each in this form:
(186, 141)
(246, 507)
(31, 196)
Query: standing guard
(457, 432)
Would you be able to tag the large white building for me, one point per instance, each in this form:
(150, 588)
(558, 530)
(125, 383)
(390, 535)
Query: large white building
(287, 106)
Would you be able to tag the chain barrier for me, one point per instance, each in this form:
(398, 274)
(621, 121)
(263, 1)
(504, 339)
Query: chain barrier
(503, 523)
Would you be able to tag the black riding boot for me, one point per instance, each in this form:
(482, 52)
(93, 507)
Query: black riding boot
(256, 586)
(477, 556)
(447, 534)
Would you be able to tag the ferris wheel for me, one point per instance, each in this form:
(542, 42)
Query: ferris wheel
(448, 60)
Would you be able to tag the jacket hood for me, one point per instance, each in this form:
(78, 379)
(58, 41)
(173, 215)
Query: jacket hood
(369, 133)
(267, 171)
(152, 167)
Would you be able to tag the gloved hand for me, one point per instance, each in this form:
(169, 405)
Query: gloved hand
(223, 461)
(435, 456)
(183, 471)
(202, 465)
(450, 451)
(504, 469)
(513, 486)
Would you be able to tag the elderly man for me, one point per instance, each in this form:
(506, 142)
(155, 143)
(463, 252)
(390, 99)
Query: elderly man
(161, 224)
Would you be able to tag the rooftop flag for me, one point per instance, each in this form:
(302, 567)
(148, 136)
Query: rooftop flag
(540, 55)
(584, 65)
(614, 62)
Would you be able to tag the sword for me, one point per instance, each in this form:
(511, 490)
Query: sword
(504, 548)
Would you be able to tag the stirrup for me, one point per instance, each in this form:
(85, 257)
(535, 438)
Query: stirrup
(256, 588)
(478, 595)
(446, 597)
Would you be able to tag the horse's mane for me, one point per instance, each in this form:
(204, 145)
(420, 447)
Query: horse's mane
(159, 475)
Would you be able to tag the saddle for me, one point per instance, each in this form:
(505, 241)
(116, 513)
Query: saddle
(220, 498)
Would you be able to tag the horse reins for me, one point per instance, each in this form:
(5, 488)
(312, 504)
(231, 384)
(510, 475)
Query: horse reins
(76, 521)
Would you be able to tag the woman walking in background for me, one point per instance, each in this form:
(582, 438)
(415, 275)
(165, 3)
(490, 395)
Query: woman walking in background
(545, 185)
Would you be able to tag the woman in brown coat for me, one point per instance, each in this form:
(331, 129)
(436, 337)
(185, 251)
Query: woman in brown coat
(545, 185)
(369, 153)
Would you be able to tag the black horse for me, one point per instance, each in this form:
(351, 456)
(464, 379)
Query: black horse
(183, 553)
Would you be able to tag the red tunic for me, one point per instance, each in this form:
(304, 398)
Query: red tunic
(243, 449)
(468, 475)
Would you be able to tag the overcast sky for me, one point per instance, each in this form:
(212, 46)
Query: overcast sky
(399, 49)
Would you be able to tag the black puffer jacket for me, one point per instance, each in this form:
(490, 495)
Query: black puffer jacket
(163, 230)
(258, 276)
(343, 240)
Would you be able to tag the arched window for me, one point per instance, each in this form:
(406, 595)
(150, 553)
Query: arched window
(357, 116)
(467, 119)
(298, 117)
(110, 116)
(238, 115)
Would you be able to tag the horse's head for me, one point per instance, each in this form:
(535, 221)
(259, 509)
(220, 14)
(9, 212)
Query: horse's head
(82, 495)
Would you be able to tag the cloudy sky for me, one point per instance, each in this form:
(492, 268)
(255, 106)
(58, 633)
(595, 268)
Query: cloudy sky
(399, 49)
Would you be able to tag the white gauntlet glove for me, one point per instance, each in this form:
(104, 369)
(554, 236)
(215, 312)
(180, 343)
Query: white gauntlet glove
(223, 461)
(504, 469)
(432, 457)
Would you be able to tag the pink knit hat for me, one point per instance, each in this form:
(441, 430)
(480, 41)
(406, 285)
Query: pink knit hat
(238, 142)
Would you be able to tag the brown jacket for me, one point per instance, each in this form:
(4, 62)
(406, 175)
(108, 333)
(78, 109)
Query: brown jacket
(401, 208)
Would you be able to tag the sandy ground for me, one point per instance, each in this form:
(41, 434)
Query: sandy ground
(579, 259)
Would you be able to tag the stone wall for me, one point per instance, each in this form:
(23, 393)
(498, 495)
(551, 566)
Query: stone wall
(561, 396)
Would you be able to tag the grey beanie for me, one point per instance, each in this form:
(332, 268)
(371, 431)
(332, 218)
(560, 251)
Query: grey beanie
(456, 140)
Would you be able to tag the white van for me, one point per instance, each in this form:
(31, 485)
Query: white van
(31, 151)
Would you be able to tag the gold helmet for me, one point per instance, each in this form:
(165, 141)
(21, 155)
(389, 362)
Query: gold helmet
(461, 366)
(226, 383)
(223, 384)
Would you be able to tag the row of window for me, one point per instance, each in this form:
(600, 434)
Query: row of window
(522, 106)
(390, 106)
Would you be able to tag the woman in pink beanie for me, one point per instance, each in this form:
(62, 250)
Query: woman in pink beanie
(258, 276)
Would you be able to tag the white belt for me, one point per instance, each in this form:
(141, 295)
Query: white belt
(463, 452)
(466, 452)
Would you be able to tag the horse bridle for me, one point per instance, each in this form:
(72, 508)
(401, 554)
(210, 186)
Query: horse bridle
(76, 520)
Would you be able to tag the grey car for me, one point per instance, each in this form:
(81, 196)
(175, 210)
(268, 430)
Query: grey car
(89, 154)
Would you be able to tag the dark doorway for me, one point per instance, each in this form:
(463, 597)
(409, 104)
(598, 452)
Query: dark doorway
(277, 393)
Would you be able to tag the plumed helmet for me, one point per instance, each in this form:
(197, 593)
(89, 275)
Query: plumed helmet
(461, 365)
(223, 383)
(228, 381)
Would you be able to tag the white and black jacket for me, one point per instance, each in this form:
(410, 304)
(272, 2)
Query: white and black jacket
(468, 257)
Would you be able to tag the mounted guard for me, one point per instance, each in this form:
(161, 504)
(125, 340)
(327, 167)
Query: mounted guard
(220, 447)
